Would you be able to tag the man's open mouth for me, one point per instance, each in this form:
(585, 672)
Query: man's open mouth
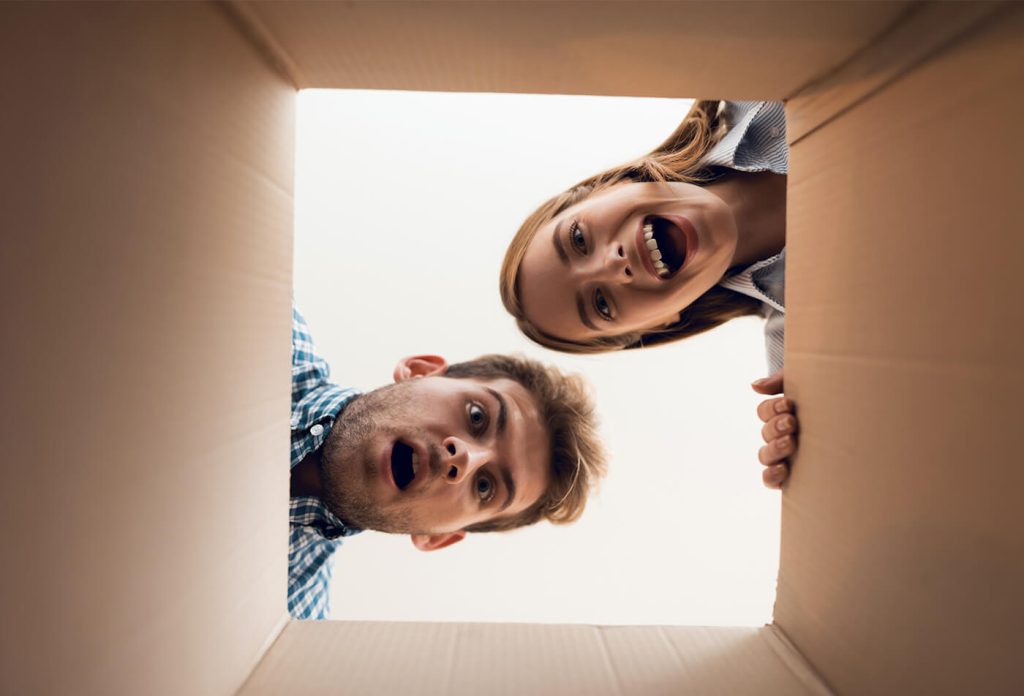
(666, 245)
(403, 464)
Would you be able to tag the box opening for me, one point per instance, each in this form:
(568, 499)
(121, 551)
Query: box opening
(408, 200)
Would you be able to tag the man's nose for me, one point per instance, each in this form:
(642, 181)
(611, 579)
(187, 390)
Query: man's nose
(462, 459)
(613, 266)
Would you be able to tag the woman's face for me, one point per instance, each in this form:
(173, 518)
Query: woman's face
(628, 258)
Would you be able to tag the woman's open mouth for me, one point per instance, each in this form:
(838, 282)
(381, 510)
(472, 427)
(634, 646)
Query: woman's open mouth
(666, 245)
(403, 464)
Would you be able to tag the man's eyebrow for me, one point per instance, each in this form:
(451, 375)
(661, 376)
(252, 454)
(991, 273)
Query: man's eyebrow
(510, 488)
(582, 309)
(506, 475)
(502, 411)
(556, 240)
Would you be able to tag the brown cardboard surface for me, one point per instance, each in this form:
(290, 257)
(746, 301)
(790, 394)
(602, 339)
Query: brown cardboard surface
(145, 275)
(420, 658)
(903, 538)
(916, 36)
(668, 49)
(147, 183)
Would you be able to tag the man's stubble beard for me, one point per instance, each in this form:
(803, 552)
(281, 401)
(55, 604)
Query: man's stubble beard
(347, 466)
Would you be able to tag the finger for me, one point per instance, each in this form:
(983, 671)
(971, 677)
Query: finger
(777, 450)
(774, 476)
(776, 426)
(768, 409)
(769, 385)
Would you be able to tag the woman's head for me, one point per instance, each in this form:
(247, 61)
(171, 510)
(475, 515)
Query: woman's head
(611, 263)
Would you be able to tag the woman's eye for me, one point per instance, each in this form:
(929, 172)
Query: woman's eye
(477, 417)
(576, 238)
(601, 305)
(484, 489)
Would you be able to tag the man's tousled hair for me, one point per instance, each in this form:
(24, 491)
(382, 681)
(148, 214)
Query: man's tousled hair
(577, 456)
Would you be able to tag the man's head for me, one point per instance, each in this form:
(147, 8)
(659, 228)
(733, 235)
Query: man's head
(491, 444)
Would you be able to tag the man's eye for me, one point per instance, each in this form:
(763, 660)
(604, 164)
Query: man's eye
(477, 418)
(576, 238)
(601, 305)
(484, 489)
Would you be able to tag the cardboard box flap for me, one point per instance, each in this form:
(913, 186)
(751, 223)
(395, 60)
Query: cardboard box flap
(423, 658)
(902, 535)
(924, 30)
(147, 181)
(668, 49)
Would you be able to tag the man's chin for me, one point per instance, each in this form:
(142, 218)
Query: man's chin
(366, 513)
(350, 467)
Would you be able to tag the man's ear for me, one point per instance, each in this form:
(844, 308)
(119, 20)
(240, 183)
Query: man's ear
(420, 366)
(433, 542)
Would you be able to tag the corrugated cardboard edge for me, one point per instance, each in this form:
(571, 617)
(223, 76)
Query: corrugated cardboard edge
(794, 661)
(918, 35)
(606, 655)
(543, 659)
(562, 46)
(265, 648)
(268, 644)
(257, 33)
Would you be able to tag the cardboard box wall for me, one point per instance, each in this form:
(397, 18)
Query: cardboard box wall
(146, 271)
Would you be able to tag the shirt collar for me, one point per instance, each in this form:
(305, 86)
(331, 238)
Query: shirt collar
(309, 511)
(757, 281)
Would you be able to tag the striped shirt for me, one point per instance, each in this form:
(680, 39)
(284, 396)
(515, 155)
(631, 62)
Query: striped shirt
(314, 532)
(756, 142)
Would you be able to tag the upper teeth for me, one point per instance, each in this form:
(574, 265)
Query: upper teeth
(415, 458)
(653, 250)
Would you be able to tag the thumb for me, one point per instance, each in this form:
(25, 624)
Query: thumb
(769, 385)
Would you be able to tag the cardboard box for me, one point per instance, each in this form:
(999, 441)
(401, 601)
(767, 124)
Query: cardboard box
(148, 152)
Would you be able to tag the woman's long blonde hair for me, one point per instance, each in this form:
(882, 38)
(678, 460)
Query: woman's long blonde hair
(679, 158)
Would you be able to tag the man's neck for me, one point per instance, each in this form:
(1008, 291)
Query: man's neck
(758, 202)
(305, 476)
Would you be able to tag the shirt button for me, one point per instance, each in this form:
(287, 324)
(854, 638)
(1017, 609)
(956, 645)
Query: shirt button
(775, 131)
(317, 430)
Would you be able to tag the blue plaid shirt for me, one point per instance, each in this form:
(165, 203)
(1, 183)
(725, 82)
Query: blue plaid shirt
(314, 532)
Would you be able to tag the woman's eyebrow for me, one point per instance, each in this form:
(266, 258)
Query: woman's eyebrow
(556, 240)
(581, 308)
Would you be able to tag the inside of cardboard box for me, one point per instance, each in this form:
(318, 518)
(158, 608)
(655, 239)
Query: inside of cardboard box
(149, 163)
(410, 199)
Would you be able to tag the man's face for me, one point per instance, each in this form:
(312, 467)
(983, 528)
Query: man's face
(433, 455)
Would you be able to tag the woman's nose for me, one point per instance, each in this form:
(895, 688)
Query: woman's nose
(615, 266)
(462, 459)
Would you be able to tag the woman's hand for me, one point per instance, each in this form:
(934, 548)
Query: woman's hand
(779, 431)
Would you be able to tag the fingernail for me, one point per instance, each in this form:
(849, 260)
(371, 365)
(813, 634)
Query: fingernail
(784, 442)
(782, 425)
(780, 406)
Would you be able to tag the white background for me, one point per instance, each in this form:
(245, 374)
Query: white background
(405, 202)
